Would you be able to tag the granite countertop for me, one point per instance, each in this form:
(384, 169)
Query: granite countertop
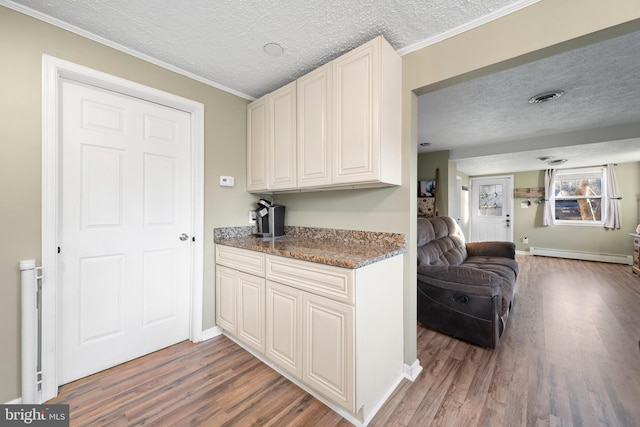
(341, 248)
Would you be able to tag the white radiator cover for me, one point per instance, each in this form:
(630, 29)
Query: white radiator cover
(587, 256)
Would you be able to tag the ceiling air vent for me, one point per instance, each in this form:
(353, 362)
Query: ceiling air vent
(556, 162)
(546, 96)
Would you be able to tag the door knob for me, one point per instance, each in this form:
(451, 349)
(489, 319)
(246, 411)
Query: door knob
(183, 237)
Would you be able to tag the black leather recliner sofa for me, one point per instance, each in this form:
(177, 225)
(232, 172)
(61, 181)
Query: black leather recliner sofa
(464, 289)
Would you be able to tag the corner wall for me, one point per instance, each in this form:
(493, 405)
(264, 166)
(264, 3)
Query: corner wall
(23, 40)
(537, 31)
(528, 221)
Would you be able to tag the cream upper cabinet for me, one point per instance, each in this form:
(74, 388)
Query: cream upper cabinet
(314, 135)
(258, 129)
(367, 114)
(282, 142)
(341, 129)
(271, 141)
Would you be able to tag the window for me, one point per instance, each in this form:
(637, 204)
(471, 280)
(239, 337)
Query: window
(579, 196)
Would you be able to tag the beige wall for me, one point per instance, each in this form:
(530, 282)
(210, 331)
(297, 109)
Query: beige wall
(528, 222)
(23, 40)
(539, 30)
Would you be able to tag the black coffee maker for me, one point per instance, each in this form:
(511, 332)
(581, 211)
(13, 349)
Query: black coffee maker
(270, 219)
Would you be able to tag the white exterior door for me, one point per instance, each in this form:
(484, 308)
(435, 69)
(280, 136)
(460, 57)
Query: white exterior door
(124, 271)
(492, 209)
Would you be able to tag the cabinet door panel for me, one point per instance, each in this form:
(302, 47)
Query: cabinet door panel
(258, 128)
(226, 299)
(284, 327)
(356, 109)
(328, 348)
(314, 136)
(282, 142)
(251, 328)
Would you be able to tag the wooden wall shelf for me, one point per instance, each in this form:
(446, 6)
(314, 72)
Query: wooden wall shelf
(529, 193)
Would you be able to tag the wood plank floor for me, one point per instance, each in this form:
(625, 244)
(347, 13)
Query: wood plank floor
(569, 357)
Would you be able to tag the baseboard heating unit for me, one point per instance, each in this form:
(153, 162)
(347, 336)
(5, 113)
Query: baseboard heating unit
(586, 256)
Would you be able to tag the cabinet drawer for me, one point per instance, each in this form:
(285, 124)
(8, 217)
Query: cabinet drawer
(241, 259)
(320, 279)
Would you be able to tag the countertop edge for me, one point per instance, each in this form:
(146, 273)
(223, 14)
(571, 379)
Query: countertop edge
(336, 262)
(339, 248)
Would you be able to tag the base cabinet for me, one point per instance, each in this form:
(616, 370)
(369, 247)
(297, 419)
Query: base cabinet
(337, 331)
(226, 299)
(284, 327)
(328, 348)
(240, 306)
(251, 328)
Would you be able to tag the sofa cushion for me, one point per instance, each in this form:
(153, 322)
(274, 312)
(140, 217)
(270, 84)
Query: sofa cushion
(492, 249)
(440, 242)
(461, 279)
(506, 269)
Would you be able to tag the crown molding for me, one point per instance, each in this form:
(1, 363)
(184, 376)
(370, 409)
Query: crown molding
(91, 36)
(468, 26)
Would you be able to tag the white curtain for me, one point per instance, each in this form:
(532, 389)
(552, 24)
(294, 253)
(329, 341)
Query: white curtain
(549, 203)
(613, 200)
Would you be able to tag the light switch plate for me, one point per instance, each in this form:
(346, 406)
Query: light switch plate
(227, 181)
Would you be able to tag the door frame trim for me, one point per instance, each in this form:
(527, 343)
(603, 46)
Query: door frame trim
(53, 70)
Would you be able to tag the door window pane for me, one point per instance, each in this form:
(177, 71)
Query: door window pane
(490, 200)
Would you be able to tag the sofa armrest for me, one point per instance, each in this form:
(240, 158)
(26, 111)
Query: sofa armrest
(492, 249)
(461, 279)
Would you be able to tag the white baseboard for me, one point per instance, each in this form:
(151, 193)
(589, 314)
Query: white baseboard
(586, 256)
(412, 371)
(382, 401)
(17, 401)
(523, 253)
(207, 334)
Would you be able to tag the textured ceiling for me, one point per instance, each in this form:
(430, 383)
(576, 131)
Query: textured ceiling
(480, 120)
(486, 123)
(222, 41)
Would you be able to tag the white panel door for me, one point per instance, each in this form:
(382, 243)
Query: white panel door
(492, 209)
(125, 200)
